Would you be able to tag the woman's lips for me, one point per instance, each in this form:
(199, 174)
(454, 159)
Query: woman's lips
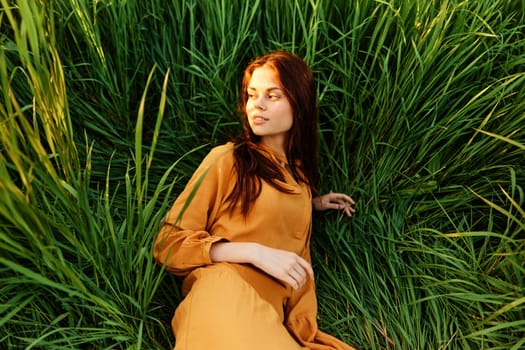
(258, 119)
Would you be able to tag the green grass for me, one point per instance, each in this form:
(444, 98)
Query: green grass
(108, 107)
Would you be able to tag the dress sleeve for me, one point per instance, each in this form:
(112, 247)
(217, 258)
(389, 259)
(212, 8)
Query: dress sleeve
(184, 240)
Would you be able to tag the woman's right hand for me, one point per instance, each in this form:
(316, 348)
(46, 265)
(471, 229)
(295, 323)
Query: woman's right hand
(281, 264)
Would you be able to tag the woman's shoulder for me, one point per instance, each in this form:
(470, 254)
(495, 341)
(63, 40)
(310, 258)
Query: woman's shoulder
(221, 155)
(221, 151)
(224, 148)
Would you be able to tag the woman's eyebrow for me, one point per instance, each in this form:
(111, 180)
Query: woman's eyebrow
(269, 89)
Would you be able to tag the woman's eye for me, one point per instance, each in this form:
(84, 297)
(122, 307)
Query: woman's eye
(273, 97)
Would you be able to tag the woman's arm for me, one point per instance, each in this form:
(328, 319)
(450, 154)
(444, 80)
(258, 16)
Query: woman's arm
(285, 266)
(183, 242)
(337, 201)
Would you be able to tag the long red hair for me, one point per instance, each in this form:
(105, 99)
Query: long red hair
(298, 84)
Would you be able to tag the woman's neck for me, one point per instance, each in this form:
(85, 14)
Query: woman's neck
(276, 145)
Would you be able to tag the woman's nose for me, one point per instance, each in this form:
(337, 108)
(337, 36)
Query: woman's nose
(259, 104)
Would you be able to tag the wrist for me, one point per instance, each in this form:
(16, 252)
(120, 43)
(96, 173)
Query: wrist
(235, 252)
(317, 203)
(255, 254)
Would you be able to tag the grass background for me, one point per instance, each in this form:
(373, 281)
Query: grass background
(108, 106)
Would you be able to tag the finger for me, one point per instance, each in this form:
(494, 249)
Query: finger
(346, 198)
(298, 273)
(350, 208)
(297, 278)
(340, 197)
(338, 206)
(306, 267)
(340, 201)
(333, 205)
(350, 200)
(293, 283)
(345, 204)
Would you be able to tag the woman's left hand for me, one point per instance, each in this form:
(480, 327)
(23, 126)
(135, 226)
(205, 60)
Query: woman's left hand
(337, 201)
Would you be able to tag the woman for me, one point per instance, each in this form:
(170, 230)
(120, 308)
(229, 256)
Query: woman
(240, 231)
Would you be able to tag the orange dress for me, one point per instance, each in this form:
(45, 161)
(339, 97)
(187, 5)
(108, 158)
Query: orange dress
(237, 306)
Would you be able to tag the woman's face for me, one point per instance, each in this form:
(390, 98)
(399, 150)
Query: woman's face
(269, 112)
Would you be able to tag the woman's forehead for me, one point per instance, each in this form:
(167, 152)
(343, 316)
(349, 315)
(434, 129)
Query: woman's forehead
(265, 78)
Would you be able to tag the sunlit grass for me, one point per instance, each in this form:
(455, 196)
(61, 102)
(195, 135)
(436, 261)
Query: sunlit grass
(107, 108)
